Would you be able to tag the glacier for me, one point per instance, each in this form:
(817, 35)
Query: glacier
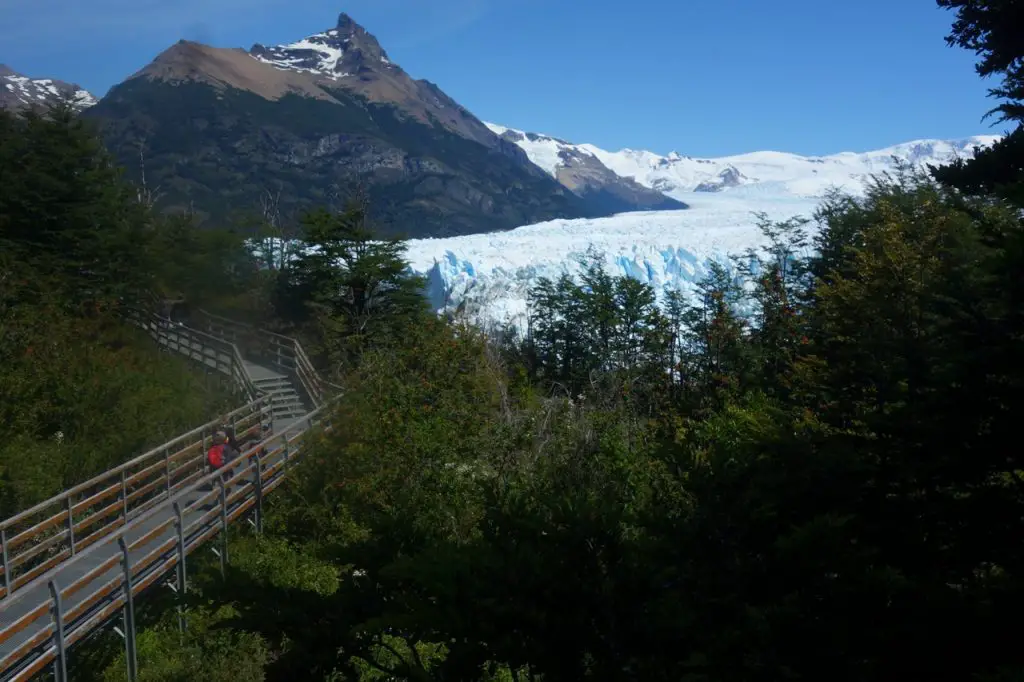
(489, 275)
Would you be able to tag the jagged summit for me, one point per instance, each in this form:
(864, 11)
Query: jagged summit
(18, 91)
(322, 66)
(346, 50)
(350, 57)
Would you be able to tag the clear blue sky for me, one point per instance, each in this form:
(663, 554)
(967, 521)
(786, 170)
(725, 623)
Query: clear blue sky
(702, 77)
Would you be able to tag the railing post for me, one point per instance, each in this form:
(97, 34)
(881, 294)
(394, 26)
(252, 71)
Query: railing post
(71, 525)
(60, 663)
(202, 445)
(7, 567)
(167, 470)
(129, 614)
(223, 527)
(124, 495)
(179, 524)
(257, 481)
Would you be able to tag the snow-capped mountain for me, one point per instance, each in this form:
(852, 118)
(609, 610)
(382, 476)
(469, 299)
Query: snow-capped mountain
(779, 172)
(319, 116)
(583, 173)
(338, 53)
(678, 176)
(18, 91)
(349, 57)
(491, 273)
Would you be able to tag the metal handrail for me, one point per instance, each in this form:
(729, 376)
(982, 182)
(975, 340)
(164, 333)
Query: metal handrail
(283, 352)
(199, 346)
(65, 614)
(39, 539)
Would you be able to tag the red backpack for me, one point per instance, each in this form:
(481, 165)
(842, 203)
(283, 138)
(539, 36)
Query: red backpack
(216, 456)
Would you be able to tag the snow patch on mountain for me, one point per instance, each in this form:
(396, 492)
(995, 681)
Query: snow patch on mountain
(544, 151)
(318, 54)
(343, 51)
(18, 91)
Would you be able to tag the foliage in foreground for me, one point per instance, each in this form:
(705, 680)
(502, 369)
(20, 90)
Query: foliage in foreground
(80, 389)
(825, 490)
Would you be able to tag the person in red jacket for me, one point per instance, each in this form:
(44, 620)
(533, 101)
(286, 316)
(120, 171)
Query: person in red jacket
(221, 454)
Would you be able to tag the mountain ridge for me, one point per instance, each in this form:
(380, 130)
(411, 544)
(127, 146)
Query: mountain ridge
(345, 112)
(18, 92)
(678, 175)
(583, 173)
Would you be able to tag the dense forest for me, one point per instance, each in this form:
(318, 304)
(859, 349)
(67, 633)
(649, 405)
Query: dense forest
(80, 390)
(810, 471)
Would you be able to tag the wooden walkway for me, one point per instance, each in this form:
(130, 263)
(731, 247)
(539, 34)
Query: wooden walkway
(132, 528)
(93, 582)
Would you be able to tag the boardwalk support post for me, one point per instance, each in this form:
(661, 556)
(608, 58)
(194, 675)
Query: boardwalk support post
(257, 483)
(223, 554)
(129, 614)
(6, 565)
(71, 525)
(124, 495)
(167, 470)
(179, 525)
(60, 663)
(270, 415)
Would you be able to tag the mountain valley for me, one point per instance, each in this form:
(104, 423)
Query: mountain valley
(489, 208)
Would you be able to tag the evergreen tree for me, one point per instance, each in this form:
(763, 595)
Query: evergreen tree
(991, 29)
(65, 209)
(779, 279)
(716, 358)
(355, 286)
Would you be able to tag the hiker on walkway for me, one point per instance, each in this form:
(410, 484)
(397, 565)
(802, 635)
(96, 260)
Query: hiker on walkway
(221, 454)
(248, 441)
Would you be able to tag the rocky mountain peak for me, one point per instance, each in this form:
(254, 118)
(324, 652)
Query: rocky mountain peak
(346, 50)
(18, 91)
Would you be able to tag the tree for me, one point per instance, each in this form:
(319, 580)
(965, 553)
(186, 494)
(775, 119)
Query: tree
(66, 209)
(716, 357)
(76, 380)
(355, 287)
(990, 29)
(780, 278)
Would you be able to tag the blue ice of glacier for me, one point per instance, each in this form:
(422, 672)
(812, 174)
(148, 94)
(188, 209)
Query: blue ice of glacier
(490, 275)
